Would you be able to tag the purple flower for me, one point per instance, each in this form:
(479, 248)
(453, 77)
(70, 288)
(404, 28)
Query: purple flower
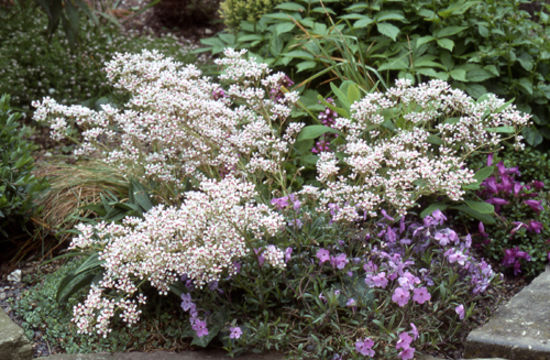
(460, 311)
(364, 347)
(235, 332)
(490, 184)
(404, 341)
(280, 203)
(186, 302)
(288, 254)
(490, 159)
(414, 331)
(446, 236)
(539, 185)
(512, 258)
(261, 258)
(534, 204)
(386, 216)
(323, 255)
(378, 280)
(421, 295)
(407, 353)
(199, 326)
(518, 225)
(497, 201)
(481, 229)
(351, 302)
(534, 226)
(517, 188)
(401, 296)
(339, 261)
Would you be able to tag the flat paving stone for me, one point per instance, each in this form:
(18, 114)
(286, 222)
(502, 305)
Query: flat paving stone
(13, 343)
(520, 330)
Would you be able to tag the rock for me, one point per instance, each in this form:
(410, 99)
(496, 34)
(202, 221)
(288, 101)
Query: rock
(518, 331)
(208, 31)
(15, 276)
(13, 343)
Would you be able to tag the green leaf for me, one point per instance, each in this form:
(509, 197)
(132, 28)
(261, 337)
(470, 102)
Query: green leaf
(478, 74)
(532, 136)
(526, 85)
(433, 207)
(388, 30)
(83, 275)
(502, 129)
(486, 218)
(446, 44)
(526, 61)
(449, 31)
(458, 74)
(314, 131)
(290, 6)
(423, 40)
(305, 65)
(284, 28)
(481, 207)
(363, 22)
(389, 15)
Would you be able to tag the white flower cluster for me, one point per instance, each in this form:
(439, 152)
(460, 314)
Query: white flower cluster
(179, 124)
(406, 143)
(199, 239)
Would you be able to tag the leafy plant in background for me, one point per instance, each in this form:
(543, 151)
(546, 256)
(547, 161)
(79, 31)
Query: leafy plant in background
(19, 188)
(480, 47)
(235, 11)
(32, 67)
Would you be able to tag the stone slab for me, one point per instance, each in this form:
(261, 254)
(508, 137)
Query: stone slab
(520, 330)
(13, 343)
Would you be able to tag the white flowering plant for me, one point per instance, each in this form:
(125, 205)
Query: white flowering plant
(221, 157)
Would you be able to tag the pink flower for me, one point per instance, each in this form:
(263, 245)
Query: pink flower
(351, 302)
(404, 341)
(414, 331)
(534, 226)
(364, 347)
(323, 255)
(401, 296)
(235, 332)
(200, 327)
(378, 280)
(288, 254)
(534, 204)
(460, 311)
(407, 353)
(339, 261)
(421, 295)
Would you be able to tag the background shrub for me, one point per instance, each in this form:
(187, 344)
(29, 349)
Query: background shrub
(31, 66)
(18, 186)
(235, 11)
(480, 47)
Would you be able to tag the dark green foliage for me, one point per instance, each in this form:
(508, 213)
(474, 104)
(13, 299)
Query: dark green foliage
(478, 46)
(33, 66)
(18, 186)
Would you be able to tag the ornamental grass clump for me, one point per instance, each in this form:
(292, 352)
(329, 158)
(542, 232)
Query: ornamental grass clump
(407, 143)
(179, 126)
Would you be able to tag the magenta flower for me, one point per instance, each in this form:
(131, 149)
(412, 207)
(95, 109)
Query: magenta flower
(378, 280)
(401, 296)
(421, 295)
(404, 341)
(534, 204)
(351, 302)
(364, 347)
(481, 229)
(497, 201)
(339, 261)
(323, 255)
(414, 331)
(235, 332)
(539, 185)
(199, 326)
(534, 226)
(460, 311)
(407, 353)
(288, 254)
(280, 203)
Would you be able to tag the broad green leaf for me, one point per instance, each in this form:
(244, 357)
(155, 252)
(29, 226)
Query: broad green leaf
(305, 65)
(502, 129)
(389, 15)
(484, 173)
(486, 218)
(458, 74)
(446, 44)
(290, 6)
(300, 54)
(388, 30)
(481, 207)
(363, 22)
(526, 61)
(423, 40)
(314, 131)
(526, 85)
(449, 31)
(532, 136)
(284, 27)
(478, 74)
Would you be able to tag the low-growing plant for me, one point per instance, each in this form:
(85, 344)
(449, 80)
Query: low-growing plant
(518, 237)
(19, 187)
(235, 11)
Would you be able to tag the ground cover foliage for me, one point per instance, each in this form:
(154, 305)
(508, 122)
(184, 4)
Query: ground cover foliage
(240, 209)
